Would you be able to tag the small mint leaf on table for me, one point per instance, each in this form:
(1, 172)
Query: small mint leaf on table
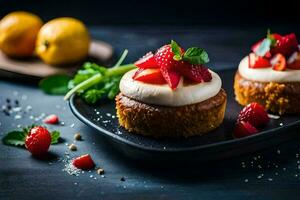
(15, 138)
(176, 50)
(195, 55)
(55, 135)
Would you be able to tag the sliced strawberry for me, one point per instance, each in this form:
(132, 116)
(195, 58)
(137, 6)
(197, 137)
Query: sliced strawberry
(255, 114)
(51, 119)
(152, 76)
(278, 62)
(294, 61)
(172, 77)
(257, 61)
(147, 61)
(244, 129)
(164, 57)
(84, 162)
(196, 73)
(286, 45)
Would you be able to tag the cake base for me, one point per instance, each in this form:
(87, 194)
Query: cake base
(278, 98)
(171, 122)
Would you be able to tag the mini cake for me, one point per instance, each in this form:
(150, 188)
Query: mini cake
(270, 75)
(171, 94)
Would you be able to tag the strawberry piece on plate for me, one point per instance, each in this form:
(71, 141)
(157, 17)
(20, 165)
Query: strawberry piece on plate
(278, 62)
(51, 119)
(84, 162)
(244, 129)
(152, 76)
(286, 45)
(258, 62)
(38, 141)
(147, 61)
(255, 114)
(171, 77)
(196, 73)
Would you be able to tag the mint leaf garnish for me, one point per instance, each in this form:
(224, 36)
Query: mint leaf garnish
(15, 138)
(271, 37)
(195, 55)
(54, 137)
(264, 47)
(176, 50)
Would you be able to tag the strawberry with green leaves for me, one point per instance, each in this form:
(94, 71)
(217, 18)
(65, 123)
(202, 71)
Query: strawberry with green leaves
(171, 62)
(36, 139)
(273, 51)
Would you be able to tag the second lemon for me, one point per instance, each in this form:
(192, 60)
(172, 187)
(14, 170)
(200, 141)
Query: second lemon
(63, 41)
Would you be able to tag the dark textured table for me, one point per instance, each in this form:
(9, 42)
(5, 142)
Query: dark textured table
(270, 174)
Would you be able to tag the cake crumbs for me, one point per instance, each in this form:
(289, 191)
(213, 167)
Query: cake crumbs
(100, 171)
(72, 147)
(77, 137)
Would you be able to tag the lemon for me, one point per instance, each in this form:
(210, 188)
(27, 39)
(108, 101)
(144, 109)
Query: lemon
(18, 32)
(63, 41)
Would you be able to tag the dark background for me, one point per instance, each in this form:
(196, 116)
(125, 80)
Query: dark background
(156, 12)
(226, 29)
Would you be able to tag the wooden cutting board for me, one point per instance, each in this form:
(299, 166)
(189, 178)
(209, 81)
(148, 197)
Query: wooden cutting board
(100, 52)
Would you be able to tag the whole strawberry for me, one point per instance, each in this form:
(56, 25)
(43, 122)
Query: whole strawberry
(38, 140)
(255, 114)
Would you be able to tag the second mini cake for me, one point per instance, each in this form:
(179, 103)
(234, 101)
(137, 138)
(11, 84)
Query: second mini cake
(270, 75)
(171, 94)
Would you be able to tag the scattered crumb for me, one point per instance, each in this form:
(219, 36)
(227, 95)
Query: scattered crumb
(122, 178)
(77, 136)
(246, 180)
(73, 147)
(100, 171)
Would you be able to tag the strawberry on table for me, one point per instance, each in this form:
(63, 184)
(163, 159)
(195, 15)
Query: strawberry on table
(84, 162)
(51, 119)
(38, 140)
(255, 114)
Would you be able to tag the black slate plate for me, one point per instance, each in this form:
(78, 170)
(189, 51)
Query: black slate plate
(218, 144)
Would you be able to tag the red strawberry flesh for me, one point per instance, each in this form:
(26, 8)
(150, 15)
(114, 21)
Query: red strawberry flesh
(255, 114)
(172, 77)
(84, 162)
(152, 76)
(244, 129)
(147, 61)
(51, 119)
(38, 140)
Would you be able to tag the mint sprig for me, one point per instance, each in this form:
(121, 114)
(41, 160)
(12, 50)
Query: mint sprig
(17, 137)
(266, 45)
(193, 55)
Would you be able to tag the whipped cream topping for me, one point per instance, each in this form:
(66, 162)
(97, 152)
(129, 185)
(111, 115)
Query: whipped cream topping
(165, 96)
(267, 74)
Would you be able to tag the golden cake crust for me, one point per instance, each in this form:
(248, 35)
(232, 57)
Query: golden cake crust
(162, 121)
(275, 97)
